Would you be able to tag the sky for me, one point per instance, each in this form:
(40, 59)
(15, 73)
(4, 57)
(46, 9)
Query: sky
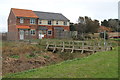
(72, 9)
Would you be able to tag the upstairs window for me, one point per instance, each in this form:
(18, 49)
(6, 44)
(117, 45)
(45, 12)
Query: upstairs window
(32, 21)
(57, 22)
(49, 22)
(40, 22)
(65, 23)
(21, 20)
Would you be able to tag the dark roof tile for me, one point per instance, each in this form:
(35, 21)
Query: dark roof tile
(50, 16)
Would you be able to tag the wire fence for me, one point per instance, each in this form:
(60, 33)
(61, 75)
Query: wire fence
(14, 36)
(29, 36)
(57, 34)
(65, 34)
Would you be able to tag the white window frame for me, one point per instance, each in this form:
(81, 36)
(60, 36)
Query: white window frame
(40, 21)
(21, 20)
(57, 22)
(65, 22)
(49, 22)
(32, 21)
(32, 32)
(48, 33)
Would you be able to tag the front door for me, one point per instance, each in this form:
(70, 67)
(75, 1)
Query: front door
(41, 35)
(21, 34)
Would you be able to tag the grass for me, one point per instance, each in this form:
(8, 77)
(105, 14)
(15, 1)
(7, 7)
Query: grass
(99, 65)
(116, 39)
(0, 43)
(46, 57)
(15, 56)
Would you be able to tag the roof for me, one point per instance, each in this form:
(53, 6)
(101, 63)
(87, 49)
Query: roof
(24, 13)
(105, 28)
(23, 27)
(50, 16)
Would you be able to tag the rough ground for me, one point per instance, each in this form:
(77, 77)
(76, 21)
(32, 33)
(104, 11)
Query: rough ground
(39, 57)
(13, 65)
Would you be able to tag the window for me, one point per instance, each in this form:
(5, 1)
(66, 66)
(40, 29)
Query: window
(40, 22)
(32, 21)
(49, 22)
(49, 32)
(65, 23)
(21, 20)
(32, 32)
(57, 22)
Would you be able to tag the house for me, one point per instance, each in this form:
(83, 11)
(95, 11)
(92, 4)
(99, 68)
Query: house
(103, 28)
(25, 24)
(51, 23)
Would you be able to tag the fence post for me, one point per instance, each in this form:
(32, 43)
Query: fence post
(54, 47)
(47, 46)
(63, 47)
(69, 43)
(82, 47)
(93, 48)
(72, 47)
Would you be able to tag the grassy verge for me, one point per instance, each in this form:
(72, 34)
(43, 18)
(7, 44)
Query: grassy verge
(99, 65)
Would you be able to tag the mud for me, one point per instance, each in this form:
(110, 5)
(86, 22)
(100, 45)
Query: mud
(12, 65)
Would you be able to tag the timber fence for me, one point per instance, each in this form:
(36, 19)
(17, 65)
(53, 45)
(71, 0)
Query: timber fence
(78, 46)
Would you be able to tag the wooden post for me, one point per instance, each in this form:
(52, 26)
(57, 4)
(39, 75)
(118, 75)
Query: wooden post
(105, 47)
(54, 47)
(82, 47)
(63, 47)
(99, 46)
(47, 46)
(93, 48)
(110, 46)
(72, 47)
(69, 43)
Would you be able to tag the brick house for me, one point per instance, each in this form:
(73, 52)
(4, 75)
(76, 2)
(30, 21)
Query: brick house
(103, 28)
(37, 24)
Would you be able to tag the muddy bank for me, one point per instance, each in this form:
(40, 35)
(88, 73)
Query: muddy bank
(13, 65)
(19, 57)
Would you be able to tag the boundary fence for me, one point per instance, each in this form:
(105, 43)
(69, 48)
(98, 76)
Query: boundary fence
(78, 46)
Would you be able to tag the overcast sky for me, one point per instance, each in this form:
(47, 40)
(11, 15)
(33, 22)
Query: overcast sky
(72, 9)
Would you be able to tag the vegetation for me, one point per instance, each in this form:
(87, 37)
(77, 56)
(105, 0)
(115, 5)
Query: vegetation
(15, 56)
(99, 65)
(0, 43)
(85, 25)
(112, 23)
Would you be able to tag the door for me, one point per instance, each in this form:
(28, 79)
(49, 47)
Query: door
(21, 34)
(41, 35)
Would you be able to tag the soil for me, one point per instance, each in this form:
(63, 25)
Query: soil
(13, 65)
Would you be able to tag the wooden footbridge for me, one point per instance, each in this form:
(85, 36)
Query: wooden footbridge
(78, 46)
